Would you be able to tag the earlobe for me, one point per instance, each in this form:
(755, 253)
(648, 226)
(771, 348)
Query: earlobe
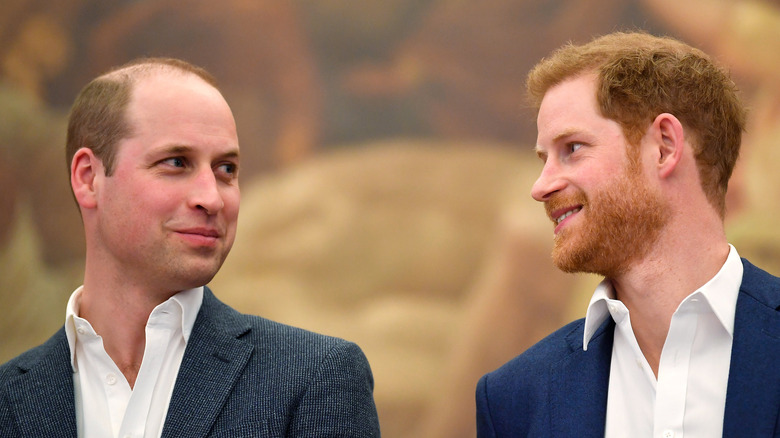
(669, 136)
(84, 168)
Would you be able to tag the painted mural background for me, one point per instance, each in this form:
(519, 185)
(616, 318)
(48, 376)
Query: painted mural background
(387, 164)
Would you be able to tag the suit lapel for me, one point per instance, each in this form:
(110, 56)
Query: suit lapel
(753, 395)
(42, 397)
(580, 383)
(212, 363)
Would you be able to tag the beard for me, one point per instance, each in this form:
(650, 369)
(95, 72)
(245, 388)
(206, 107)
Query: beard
(619, 226)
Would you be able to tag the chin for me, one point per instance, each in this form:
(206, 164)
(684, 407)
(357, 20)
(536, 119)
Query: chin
(194, 277)
(574, 257)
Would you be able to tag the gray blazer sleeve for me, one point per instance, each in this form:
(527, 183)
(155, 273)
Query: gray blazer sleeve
(338, 400)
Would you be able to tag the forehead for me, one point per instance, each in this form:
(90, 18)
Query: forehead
(568, 102)
(570, 109)
(180, 109)
(175, 92)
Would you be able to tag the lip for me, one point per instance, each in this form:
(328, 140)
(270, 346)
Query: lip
(555, 215)
(200, 236)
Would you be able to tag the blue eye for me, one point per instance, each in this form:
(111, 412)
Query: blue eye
(175, 161)
(229, 168)
(227, 171)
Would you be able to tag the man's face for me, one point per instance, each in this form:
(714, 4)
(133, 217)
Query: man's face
(166, 218)
(606, 213)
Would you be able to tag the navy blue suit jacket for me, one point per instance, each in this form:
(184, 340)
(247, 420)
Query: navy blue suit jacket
(555, 389)
(241, 376)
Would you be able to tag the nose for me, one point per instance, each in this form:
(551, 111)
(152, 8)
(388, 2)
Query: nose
(205, 194)
(549, 182)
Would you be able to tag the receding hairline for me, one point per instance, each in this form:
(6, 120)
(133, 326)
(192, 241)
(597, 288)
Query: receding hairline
(98, 116)
(144, 68)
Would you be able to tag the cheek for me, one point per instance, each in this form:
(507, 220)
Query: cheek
(153, 199)
(598, 182)
(232, 200)
(605, 177)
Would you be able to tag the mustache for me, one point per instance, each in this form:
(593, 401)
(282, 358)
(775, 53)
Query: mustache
(559, 201)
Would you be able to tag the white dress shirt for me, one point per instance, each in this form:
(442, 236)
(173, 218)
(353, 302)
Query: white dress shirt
(689, 396)
(106, 406)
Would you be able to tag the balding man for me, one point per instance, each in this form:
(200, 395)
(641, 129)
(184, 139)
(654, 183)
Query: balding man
(147, 350)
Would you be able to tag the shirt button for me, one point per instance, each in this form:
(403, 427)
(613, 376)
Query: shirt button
(668, 434)
(81, 330)
(111, 379)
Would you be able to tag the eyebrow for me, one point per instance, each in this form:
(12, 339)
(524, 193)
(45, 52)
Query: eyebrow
(231, 154)
(568, 132)
(182, 149)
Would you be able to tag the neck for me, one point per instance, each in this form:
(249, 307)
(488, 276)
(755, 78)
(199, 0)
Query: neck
(654, 287)
(119, 313)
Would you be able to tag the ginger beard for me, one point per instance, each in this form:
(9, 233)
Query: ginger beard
(619, 225)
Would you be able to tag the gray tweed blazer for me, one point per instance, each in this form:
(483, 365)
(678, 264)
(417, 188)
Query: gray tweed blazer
(241, 376)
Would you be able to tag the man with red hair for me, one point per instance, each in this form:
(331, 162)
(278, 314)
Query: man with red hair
(639, 136)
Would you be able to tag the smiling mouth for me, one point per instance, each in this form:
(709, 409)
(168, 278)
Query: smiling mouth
(560, 218)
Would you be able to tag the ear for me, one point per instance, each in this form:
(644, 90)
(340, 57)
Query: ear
(668, 137)
(85, 167)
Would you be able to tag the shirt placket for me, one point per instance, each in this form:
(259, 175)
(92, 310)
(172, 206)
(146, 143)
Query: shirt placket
(158, 335)
(673, 369)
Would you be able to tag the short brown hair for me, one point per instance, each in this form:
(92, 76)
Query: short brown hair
(640, 76)
(97, 118)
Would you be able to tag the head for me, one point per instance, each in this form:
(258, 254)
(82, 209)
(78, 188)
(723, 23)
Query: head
(607, 210)
(154, 169)
(638, 77)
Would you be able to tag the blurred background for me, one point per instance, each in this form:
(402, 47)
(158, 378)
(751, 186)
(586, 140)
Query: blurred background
(386, 167)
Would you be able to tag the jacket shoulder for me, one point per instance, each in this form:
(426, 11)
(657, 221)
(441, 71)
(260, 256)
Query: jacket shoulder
(36, 387)
(28, 359)
(514, 399)
(527, 376)
(304, 383)
(302, 347)
(760, 285)
(536, 361)
(271, 337)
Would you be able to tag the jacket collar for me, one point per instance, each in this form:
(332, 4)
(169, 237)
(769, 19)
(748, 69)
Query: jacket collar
(212, 363)
(579, 385)
(753, 395)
